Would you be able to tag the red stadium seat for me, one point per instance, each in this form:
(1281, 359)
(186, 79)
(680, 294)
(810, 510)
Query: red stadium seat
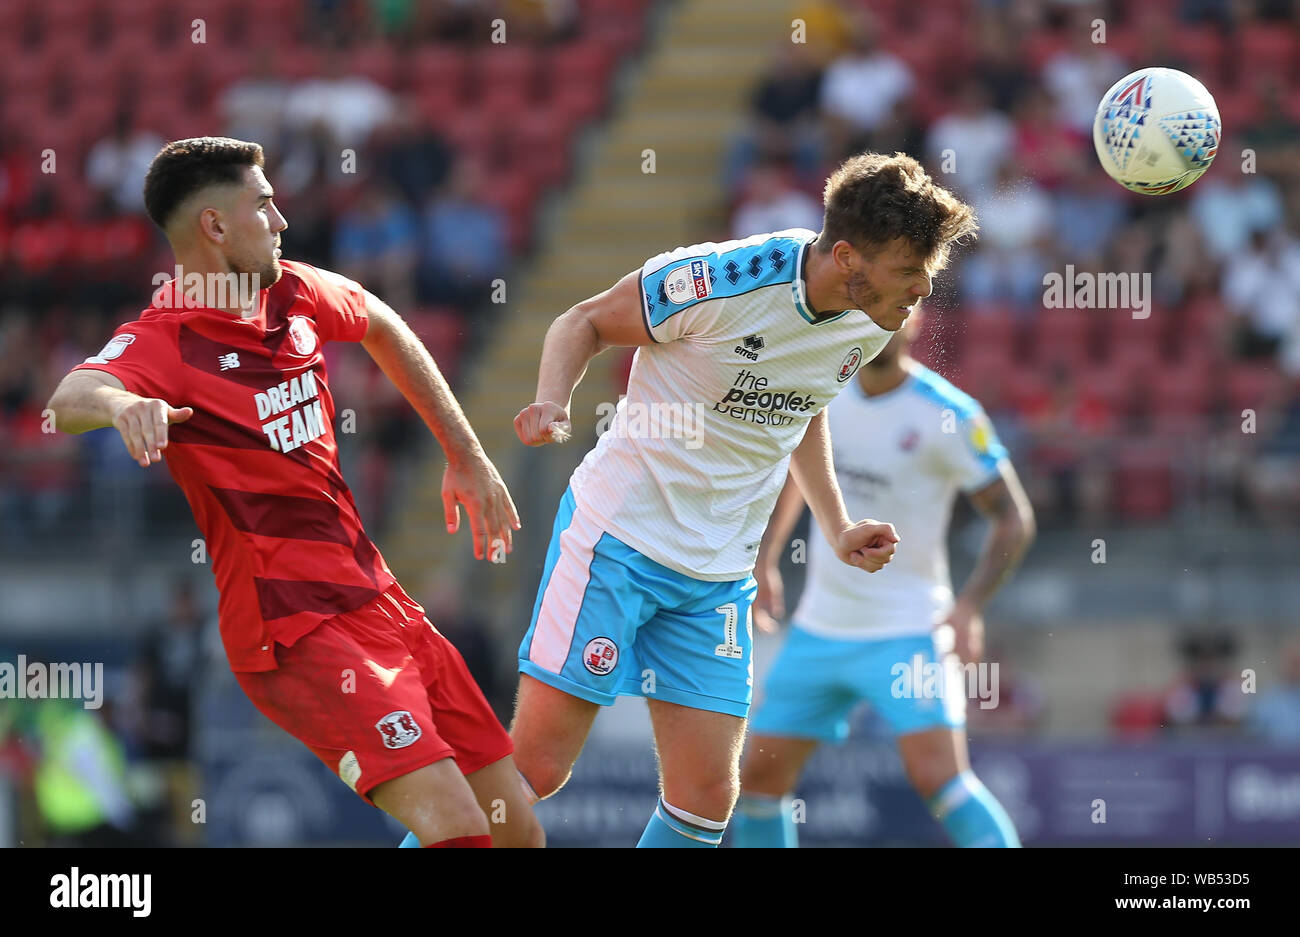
(515, 67)
(1204, 47)
(1253, 386)
(1060, 336)
(1181, 400)
(581, 64)
(376, 61)
(1143, 483)
(443, 67)
(1267, 49)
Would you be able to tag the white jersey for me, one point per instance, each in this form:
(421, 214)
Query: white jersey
(900, 457)
(697, 451)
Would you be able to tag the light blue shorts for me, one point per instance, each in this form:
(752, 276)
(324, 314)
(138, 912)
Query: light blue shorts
(610, 622)
(816, 682)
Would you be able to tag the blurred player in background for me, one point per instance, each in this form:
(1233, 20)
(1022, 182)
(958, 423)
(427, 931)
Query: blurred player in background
(647, 585)
(225, 374)
(905, 441)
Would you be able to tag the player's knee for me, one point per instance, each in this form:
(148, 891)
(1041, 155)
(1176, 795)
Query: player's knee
(928, 779)
(764, 775)
(544, 773)
(711, 798)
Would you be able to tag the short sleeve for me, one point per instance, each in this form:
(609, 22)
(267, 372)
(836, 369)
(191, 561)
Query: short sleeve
(340, 305)
(973, 453)
(674, 285)
(144, 356)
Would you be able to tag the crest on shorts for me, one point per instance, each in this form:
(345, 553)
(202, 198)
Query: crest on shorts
(600, 656)
(399, 729)
(302, 335)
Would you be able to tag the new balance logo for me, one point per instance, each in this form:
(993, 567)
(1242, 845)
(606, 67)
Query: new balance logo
(753, 345)
(228, 361)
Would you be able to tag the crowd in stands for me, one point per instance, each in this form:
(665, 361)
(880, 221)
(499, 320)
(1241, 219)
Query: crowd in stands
(1110, 417)
(407, 144)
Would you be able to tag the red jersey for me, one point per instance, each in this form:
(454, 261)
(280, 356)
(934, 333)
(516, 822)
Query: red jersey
(258, 461)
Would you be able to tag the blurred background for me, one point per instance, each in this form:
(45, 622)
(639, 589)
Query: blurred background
(484, 164)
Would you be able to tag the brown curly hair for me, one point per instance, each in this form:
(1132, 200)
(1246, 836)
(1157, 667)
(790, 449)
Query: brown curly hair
(871, 199)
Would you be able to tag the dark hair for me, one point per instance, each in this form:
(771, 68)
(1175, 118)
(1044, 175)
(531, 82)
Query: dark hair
(871, 199)
(183, 167)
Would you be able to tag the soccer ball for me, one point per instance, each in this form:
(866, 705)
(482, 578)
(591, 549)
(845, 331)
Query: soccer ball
(1156, 131)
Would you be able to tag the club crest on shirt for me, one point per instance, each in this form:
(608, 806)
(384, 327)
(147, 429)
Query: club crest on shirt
(116, 345)
(688, 282)
(600, 656)
(909, 439)
(399, 729)
(980, 435)
(302, 335)
(849, 365)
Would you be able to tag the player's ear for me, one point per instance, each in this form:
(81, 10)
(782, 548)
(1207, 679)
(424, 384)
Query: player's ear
(213, 224)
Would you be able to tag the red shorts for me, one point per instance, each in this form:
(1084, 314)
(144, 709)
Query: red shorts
(376, 693)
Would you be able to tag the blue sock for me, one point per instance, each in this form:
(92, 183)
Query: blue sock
(764, 822)
(972, 815)
(409, 843)
(673, 828)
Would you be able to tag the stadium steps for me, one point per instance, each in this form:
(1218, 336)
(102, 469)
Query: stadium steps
(613, 218)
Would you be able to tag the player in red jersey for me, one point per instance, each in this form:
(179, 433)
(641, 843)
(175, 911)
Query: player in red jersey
(224, 375)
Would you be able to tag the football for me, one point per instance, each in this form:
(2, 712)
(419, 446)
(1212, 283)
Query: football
(1156, 131)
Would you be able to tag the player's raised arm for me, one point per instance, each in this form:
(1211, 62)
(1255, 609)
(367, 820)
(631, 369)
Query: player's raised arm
(86, 400)
(867, 544)
(471, 479)
(608, 319)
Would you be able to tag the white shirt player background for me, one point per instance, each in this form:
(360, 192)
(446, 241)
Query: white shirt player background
(900, 457)
(697, 452)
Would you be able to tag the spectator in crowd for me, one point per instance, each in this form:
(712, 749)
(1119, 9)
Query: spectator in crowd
(1262, 289)
(348, 107)
(413, 156)
(1270, 477)
(376, 241)
(828, 28)
(464, 241)
(1208, 695)
(253, 106)
(970, 142)
(772, 203)
(849, 109)
(1079, 74)
(784, 120)
(115, 166)
(1016, 229)
(1276, 713)
(1096, 209)
(1051, 151)
(1229, 206)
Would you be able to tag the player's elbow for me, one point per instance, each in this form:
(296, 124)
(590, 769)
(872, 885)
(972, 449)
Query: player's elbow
(1024, 525)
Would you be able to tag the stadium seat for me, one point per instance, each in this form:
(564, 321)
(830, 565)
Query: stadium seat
(1060, 336)
(440, 66)
(1253, 386)
(1143, 482)
(375, 61)
(1268, 49)
(581, 64)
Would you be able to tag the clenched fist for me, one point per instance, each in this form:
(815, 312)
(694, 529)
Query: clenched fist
(540, 423)
(867, 545)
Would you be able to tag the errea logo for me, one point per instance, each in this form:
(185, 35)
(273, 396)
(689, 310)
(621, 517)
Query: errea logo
(753, 344)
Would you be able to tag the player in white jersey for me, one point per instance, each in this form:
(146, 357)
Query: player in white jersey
(647, 584)
(906, 442)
